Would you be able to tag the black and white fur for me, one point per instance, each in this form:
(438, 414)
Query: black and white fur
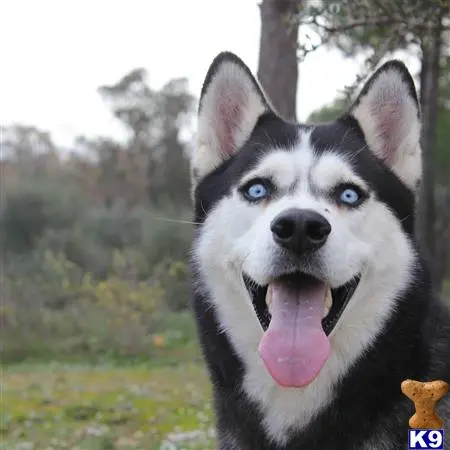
(391, 330)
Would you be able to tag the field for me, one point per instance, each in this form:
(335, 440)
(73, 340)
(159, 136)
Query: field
(108, 407)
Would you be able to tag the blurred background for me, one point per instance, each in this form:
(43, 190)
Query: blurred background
(97, 113)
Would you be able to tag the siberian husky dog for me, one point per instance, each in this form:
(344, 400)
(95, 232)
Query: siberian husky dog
(312, 301)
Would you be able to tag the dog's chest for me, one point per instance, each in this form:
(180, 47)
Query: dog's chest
(284, 409)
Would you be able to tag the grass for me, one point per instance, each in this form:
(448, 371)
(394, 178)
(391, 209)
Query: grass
(100, 408)
(157, 400)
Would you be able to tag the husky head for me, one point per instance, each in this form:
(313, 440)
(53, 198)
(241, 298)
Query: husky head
(305, 242)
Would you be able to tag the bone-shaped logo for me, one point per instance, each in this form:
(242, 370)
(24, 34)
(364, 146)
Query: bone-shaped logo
(425, 396)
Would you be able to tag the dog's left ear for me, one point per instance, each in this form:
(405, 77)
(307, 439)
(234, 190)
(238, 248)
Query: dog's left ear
(231, 103)
(388, 113)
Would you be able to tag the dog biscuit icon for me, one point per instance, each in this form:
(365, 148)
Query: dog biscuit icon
(425, 396)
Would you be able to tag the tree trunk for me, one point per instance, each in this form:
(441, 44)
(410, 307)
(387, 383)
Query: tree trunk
(278, 64)
(429, 82)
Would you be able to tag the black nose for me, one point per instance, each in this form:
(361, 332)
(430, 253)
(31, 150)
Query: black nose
(300, 230)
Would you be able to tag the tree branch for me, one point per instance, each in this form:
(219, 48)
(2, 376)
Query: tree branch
(376, 22)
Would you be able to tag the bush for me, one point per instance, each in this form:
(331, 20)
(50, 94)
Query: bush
(87, 280)
(34, 207)
(71, 312)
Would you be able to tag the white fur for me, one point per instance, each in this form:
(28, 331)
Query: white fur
(332, 170)
(236, 236)
(231, 101)
(388, 116)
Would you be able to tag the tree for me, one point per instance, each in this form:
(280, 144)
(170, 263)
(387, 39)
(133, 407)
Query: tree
(154, 121)
(278, 65)
(327, 113)
(29, 148)
(110, 175)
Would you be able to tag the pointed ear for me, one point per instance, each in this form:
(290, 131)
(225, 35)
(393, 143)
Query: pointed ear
(388, 113)
(231, 102)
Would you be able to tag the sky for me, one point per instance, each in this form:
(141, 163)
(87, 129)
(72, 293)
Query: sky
(59, 52)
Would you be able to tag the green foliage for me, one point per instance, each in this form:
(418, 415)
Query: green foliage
(328, 113)
(87, 280)
(373, 30)
(34, 207)
(60, 311)
(68, 311)
(354, 25)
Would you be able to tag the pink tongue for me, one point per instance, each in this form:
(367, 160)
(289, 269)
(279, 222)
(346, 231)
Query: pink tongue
(295, 347)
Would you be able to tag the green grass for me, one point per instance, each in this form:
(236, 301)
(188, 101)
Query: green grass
(100, 408)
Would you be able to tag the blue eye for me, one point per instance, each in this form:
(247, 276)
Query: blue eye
(255, 190)
(350, 196)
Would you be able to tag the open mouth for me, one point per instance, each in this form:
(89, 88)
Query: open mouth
(335, 300)
(297, 313)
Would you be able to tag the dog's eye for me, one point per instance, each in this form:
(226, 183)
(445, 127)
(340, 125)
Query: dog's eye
(350, 195)
(256, 190)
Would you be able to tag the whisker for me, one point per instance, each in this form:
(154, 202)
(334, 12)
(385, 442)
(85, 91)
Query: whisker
(343, 137)
(188, 222)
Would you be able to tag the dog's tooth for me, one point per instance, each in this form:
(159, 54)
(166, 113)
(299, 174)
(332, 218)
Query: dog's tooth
(269, 297)
(328, 302)
(328, 298)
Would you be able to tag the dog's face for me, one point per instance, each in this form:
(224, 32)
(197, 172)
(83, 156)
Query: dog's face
(305, 235)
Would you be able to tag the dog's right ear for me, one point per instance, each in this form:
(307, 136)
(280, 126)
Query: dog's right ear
(231, 102)
(388, 113)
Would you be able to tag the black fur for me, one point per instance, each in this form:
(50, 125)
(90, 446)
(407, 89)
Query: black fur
(415, 343)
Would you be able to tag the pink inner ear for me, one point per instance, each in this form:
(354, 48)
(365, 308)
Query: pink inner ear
(229, 111)
(389, 121)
